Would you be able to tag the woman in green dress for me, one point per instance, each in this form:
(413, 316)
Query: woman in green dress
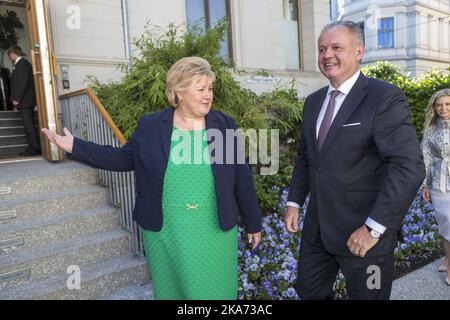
(191, 257)
(188, 197)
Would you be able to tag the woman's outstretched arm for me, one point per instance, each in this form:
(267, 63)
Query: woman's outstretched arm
(95, 155)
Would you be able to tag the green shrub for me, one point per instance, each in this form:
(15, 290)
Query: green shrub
(142, 91)
(418, 89)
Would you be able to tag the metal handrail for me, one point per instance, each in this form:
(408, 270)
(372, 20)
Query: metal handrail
(86, 118)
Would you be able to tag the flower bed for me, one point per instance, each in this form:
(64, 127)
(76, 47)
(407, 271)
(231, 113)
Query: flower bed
(269, 271)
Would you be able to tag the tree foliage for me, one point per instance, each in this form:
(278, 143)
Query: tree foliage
(418, 89)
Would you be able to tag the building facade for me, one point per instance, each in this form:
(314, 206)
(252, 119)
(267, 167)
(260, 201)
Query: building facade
(93, 37)
(414, 34)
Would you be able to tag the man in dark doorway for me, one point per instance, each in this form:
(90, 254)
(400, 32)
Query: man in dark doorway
(23, 97)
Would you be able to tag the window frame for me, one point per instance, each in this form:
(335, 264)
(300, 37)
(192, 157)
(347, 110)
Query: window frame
(362, 26)
(384, 32)
(207, 18)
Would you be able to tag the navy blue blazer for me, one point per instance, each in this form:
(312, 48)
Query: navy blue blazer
(147, 153)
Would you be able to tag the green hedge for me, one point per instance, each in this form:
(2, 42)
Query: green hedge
(418, 89)
(142, 91)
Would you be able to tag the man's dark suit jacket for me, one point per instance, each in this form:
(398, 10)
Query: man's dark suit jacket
(373, 169)
(22, 85)
(147, 153)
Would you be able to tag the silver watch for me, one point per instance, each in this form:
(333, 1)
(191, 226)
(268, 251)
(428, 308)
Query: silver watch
(374, 234)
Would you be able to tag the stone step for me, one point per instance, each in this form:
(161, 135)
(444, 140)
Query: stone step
(44, 205)
(13, 114)
(39, 232)
(12, 139)
(56, 257)
(12, 130)
(97, 280)
(135, 292)
(25, 178)
(10, 114)
(11, 122)
(12, 151)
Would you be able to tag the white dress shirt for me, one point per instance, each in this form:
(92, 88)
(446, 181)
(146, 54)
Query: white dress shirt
(17, 60)
(344, 89)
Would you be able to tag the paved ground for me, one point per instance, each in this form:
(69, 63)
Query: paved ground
(138, 292)
(425, 283)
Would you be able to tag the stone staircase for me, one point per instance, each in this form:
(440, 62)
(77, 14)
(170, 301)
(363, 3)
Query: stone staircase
(12, 134)
(53, 216)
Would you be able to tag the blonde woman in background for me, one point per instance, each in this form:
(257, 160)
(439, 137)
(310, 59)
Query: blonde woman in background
(436, 151)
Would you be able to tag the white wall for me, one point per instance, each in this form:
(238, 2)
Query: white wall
(98, 47)
(157, 12)
(258, 34)
(315, 15)
(95, 46)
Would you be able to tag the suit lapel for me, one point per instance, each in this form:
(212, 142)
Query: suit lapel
(166, 132)
(349, 106)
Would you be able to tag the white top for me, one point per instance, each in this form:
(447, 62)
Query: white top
(18, 59)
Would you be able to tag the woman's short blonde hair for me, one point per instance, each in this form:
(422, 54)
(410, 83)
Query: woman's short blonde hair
(431, 115)
(181, 74)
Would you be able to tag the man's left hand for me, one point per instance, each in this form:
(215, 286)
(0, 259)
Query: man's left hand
(254, 239)
(360, 242)
(16, 103)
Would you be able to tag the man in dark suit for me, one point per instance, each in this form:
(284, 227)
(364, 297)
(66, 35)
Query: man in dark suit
(23, 97)
(360, 162)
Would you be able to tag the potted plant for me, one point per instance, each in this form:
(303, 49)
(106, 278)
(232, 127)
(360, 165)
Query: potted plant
(9, 22)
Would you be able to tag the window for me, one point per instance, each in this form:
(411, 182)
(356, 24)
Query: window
(205, 14)
(361, 25)
(386, 33)
(291, 33)
(293, 10)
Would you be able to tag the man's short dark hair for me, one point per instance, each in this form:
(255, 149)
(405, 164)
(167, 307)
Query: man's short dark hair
(16, 50)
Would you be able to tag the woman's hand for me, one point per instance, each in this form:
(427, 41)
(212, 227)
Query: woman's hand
(64, 142)
(426, 194)
(254, 239)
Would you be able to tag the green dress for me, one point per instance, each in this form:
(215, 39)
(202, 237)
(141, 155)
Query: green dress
(191, 258)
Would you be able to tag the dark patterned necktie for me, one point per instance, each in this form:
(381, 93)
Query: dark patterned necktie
(327, 118)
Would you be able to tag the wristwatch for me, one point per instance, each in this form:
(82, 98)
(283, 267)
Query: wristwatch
(373, 233)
